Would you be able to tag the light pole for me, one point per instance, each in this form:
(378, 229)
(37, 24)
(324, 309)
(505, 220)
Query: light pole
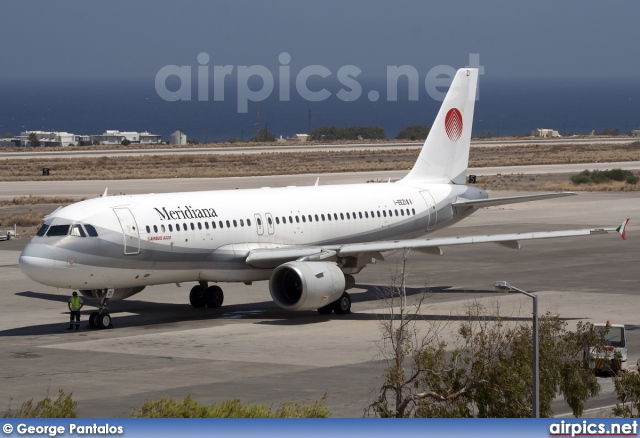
(504, 285)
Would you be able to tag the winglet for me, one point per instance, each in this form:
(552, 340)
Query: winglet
(622, 229)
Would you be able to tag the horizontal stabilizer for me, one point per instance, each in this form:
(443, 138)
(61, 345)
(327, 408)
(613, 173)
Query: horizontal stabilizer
(481, 203)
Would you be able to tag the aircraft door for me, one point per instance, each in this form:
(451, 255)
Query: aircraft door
(270, 226)
(130, 230)
(431, 208)
(259, 224)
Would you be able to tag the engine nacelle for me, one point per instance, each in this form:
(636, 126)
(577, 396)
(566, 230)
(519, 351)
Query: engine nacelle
(112, 294)
(306, 285)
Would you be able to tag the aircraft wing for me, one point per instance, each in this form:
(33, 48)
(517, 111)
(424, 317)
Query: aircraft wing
(481, 203)
(270, 257)
(510, 240)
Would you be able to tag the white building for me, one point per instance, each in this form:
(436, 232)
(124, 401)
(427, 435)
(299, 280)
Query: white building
(545, 133)
(635, 133)
(178, 137)
(115, 137)
(49, 138)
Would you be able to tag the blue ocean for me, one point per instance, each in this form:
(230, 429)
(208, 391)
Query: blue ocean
(505, 107)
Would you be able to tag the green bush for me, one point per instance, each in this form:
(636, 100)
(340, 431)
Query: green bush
(62, 407)
(190, 408)
(603, 176)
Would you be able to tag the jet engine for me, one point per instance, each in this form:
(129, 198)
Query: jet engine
(306, 285)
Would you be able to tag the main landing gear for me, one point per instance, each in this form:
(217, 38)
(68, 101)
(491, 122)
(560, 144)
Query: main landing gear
(204, 295)
(101, 319)
(342, 306)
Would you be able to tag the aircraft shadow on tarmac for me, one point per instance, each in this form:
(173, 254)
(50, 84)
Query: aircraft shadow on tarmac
(136, 313)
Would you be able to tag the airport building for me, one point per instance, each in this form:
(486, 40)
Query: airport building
(545, 133)
(635, 133)
(55, 138)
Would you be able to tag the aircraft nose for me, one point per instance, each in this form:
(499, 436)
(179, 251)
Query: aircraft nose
(36, 262)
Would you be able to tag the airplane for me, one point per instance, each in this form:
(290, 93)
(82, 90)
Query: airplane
(308, 242)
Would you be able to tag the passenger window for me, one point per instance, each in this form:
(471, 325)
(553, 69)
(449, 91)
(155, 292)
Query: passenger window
(342, 216)
(408, 212)
(284, 220)
(162, 228)
(206, 225)
(184, 226)
(360, 214)
(322, 216)
(91, 231)
(248, 222)
(170, 228)
(270, 221)
(228, 224)
(213, 225)
(413, 210)
(241, 223)
(378, 212)
(221, 224)
(193, 227)
(310, 218)
(384, 213)
(235, 224)
(303, 218)
(402, 212)
(259, 221)
(297, 220)
(155, 228)
(396, 212)
(335, 215)
(43, 230)
(317, 218)
(177, 227)
(290, 220)
(148, 229)
(348, 217)
(199, 226)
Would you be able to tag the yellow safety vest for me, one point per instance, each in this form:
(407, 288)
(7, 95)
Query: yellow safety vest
(75, 303)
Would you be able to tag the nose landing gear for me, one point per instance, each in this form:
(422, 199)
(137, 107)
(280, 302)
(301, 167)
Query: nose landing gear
(101, 319)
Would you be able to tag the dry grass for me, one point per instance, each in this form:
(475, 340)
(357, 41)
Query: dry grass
(548, 182)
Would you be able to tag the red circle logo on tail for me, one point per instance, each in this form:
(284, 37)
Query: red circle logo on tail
(453, 124)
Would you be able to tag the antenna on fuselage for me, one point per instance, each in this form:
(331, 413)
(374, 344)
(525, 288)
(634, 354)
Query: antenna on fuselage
(317, 182)
(106, 189)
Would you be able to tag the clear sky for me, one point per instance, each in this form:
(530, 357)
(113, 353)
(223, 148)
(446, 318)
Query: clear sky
(117, 39)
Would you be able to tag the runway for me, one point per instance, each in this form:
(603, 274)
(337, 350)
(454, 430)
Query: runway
(252, 350)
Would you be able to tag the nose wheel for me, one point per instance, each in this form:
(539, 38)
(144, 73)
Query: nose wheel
(101, 319)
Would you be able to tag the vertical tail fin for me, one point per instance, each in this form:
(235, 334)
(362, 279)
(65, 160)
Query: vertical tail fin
(445, 155)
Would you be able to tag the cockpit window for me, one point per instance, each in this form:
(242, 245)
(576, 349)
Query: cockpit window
(58, 230)
(77, 231)
(43, 230)
(91, 231)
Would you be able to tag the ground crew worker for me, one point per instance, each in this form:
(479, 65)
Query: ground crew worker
(75, 304)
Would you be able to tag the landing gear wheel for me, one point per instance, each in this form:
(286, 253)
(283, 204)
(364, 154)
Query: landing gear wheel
(343, 305)
(325, 310)
(93, 320)
(214, 297)
(104, 320)
(197, 296)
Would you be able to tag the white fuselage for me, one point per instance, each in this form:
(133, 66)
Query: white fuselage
(206, 236)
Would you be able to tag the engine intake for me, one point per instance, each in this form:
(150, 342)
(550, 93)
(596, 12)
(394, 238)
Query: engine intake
(306, 285)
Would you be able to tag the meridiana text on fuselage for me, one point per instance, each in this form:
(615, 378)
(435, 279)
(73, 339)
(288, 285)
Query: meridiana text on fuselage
(188, 212)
